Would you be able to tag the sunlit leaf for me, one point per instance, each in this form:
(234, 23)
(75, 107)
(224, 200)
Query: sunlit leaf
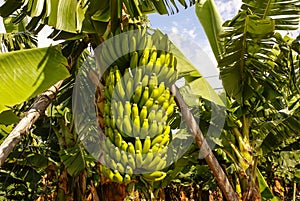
(27, 73)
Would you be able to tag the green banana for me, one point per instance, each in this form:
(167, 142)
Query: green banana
(145, 80)
(155, 161)
(131, 161)
(127, 109)
(147, 159)
(117, 154)
(159, 115)
(112, 122)
(129, 88)
(138, 159)
(124, 157)
(127, 128)
(118, 138)
(120, 168)
(138, 73)
(120, 111)
(151, 116)
(110, 133)
(112, 164)
(138, 103)
(153, 130)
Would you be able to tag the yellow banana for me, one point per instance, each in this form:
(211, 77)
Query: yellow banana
(136, 126)
(117, 177)
(143, 114)
(155, 176)
(157, 66)
(124, 145)
(145, 80)
(161, 99)
(155, 148)
(162, 58)
(158, 139)
(167, 130)
(146, 145)
(127, 179)
(165, 104)
(131, 148)
(170, 109)
(155, 93)
(120, 168)
(134, 61)
(144, 129)
(145, 97)
(165, 140)
(155, 106)
(138, 93)
(135, 110)
(138, 145)
(144, 58)
(149, 103)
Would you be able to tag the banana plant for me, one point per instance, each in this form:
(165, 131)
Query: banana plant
(258, 68)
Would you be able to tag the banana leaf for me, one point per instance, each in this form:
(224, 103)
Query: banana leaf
(211, 21)
(27, 73)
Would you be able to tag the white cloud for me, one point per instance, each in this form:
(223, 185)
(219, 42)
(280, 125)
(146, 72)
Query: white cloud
(229, 8)
(174, 30)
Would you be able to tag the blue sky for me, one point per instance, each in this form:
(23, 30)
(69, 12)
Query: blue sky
(186, 32)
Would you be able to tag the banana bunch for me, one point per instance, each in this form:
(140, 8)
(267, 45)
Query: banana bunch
(137, 109)
(134, 41)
